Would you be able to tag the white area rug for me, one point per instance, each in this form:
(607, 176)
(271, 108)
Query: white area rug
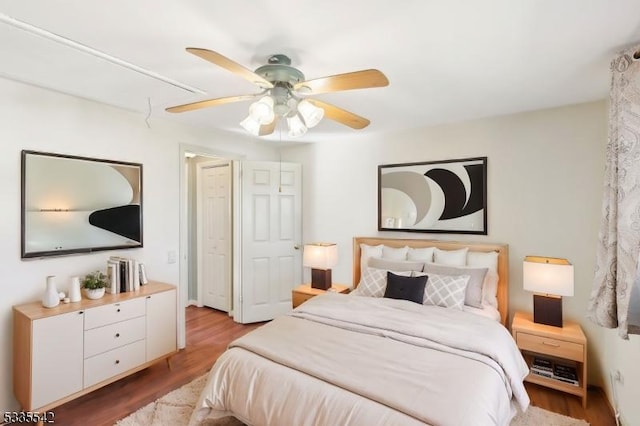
(175, 409)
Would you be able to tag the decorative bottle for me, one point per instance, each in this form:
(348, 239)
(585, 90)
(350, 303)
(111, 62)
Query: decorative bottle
(74, 290)
(51, 298)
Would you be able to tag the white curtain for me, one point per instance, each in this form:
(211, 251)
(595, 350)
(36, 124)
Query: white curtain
(616, 277)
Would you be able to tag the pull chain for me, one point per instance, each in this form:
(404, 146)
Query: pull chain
(280, 161)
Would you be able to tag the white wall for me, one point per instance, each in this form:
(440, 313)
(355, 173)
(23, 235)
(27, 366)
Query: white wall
(42, 120)
(545, 178)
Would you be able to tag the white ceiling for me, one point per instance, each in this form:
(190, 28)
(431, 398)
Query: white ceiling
(446, 60)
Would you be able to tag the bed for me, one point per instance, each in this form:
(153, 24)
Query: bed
(362, 359)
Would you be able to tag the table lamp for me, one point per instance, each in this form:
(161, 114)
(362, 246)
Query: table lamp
(320, 257)
(550, 278)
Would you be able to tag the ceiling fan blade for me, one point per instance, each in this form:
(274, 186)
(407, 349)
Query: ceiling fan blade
(352, 80)
(228, 64)
(267, 129)
(341, 115)
(210, 103)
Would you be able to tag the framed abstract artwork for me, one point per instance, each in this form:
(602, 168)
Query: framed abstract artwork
(74, 204)
(448, 196)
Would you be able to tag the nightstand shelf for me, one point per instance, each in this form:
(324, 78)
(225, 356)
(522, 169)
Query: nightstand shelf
(565, 345)
(304, 292)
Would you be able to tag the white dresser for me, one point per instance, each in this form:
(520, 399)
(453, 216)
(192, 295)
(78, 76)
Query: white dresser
(67, 351)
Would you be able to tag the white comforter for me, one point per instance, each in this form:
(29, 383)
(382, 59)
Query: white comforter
(349, 360)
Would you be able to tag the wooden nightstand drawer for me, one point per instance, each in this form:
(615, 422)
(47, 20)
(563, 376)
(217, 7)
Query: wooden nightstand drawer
(549, 346)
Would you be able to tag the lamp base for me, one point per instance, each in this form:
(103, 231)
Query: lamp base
(547, 310)
(321, 279)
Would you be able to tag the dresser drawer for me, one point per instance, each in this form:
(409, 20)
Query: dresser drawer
(550, 346)
(115, 312)
(106, 365)
(102, 339)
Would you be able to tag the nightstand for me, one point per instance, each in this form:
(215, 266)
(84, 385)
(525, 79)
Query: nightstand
(304, 292)
(565, 345)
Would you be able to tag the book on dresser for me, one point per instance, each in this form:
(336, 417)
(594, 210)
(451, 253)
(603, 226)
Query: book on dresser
(125, 274)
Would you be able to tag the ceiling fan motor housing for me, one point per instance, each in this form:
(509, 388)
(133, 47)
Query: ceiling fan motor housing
(279, 71)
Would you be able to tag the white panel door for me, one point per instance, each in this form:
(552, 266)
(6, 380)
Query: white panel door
(214, 234)
(57, 357)
(271, 238)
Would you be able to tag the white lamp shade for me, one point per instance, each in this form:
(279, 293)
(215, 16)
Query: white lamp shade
(296, 126)
(311, 114)
(262, 110)
(251, 125)
(320, 255)
(554, 278)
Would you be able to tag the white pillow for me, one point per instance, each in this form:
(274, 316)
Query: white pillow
(367, 251)
(445, 290)
(483, 259)
(399, 253)
(374, 282)
(451, 257)
(424, 254)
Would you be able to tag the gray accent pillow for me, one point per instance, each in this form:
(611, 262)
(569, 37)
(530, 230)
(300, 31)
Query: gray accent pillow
(473, 293)
(394, 265)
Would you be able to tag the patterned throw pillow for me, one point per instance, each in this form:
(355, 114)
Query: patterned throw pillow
(473, 294)
(446, 290)
(374, 282)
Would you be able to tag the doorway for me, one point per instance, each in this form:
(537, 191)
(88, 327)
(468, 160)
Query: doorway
(264, 230)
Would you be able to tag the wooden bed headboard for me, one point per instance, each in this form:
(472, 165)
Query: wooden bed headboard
(503, 260)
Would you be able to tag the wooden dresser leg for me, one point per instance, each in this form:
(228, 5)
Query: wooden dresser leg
(169, 362)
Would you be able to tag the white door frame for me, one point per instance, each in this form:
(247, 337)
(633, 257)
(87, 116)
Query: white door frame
(199, 167)
(183, 261)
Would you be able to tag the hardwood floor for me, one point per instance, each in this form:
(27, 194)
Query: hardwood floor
(208, 334)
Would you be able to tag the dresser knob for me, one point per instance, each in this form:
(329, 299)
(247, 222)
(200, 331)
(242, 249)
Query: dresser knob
(117, 361)
(118, 309)
(117, 334)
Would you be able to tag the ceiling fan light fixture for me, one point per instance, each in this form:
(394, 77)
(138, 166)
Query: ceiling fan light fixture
(262, 110)
(311, 114)
(296, 126)
(251, 125)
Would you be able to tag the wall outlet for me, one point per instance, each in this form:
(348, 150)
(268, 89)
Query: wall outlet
(172, 256)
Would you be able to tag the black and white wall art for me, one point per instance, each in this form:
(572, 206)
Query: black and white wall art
(448, 196)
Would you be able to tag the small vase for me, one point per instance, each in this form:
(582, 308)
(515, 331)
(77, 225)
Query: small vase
(51, 298)
(94, 293)
(74, 290)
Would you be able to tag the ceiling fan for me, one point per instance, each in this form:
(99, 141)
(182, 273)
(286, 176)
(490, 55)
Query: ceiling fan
(284, 92)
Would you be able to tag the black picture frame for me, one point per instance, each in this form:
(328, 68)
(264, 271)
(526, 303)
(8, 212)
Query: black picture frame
(72, 204)
(446, 196)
